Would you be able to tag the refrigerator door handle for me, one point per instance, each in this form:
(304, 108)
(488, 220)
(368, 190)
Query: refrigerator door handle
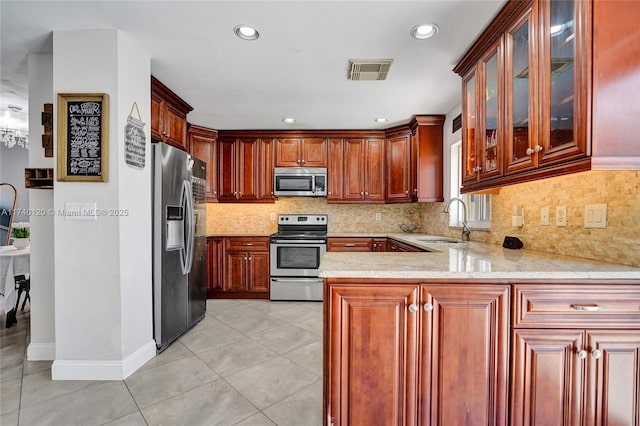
(191, 225)
(184, 251)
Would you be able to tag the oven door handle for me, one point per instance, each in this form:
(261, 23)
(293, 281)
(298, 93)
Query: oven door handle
(298, 241)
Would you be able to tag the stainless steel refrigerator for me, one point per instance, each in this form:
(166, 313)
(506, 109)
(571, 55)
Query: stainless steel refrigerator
(179, 243)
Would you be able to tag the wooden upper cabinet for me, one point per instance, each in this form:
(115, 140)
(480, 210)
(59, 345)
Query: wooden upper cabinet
(168, 116)
(563, 92)
(427, 158)
(203, 145)
(564, 79)
(364, 170)
(335, 170)
(372, 350)
(464, 354)
(245, 170)
(301, 152)
(482, 106)
(398, 165)
(521, 95)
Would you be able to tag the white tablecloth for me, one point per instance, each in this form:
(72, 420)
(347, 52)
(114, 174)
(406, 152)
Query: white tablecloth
(12, 262)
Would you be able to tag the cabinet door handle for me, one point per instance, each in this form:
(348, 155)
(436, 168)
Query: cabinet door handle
(361, 193)
(596, 353)
(366, 193)
(302, 161)
(587, 308)
(582, 354)
(538, 148)
(428, 307)
(245, 258)
(413, 308)
(249, 259)
(406, 192)
(529, 151)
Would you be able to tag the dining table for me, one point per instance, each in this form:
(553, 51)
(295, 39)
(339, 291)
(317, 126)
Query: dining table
(12, 262)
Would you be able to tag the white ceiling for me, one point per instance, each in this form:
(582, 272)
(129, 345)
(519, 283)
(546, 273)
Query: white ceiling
(297, 68)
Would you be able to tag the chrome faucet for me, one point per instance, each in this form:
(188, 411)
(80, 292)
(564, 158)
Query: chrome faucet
(465, 229)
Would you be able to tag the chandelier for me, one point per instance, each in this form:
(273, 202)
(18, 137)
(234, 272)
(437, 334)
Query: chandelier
(14, 127)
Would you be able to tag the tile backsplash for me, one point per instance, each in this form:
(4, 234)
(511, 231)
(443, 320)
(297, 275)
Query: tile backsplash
(618, 243)
(256, 218)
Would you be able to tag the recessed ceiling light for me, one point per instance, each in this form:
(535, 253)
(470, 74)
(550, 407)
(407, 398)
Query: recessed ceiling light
(289, 120)
(424, 31)
(246, 32)
(380, 120)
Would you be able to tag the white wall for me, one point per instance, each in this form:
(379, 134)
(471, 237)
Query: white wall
(42, 345)
(98, 284)
(448, 140)
(134, 85)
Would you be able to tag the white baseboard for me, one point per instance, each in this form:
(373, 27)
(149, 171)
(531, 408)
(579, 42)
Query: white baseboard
(41, 352)
(103, 370)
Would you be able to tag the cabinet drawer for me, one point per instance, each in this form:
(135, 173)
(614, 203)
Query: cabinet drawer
(580, 306)
(350, 244)
(247, 243)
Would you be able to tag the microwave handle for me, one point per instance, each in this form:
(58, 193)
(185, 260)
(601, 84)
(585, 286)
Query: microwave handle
(313, 184)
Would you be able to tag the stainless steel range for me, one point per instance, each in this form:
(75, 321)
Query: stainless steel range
(296, 250)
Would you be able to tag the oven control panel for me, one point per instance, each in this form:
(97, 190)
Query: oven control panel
(303, 219)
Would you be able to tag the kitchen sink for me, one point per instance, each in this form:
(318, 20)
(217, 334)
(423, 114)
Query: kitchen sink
(441, 240)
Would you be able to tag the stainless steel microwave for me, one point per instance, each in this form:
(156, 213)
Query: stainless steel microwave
(300, 182)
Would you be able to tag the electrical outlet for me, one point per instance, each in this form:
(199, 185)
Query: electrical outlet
(544, 216)
(378, 216)
(273, 216)
(561, 216)
(595, 216)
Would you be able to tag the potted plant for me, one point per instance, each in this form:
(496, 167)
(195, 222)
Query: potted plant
(20, 233)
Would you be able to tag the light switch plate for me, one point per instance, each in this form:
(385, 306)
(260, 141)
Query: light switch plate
(595, 216)
(80, 211)
(561, 216)
(544, 216)
(272, 216)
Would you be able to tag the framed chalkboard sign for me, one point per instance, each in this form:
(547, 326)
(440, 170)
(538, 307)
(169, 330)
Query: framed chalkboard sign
(83, 137)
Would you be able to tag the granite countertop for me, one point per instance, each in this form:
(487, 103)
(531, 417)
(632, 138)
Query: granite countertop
(464, 260)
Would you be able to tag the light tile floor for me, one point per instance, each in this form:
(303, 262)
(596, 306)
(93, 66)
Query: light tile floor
(248, 362)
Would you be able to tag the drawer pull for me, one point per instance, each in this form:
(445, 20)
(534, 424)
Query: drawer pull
(586, 308)
(349, 245)
(247, 244)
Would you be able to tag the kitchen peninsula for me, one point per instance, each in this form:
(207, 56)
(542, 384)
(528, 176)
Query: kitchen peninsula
(477, 334)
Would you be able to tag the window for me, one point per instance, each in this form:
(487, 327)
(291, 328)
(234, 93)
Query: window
(478, 206)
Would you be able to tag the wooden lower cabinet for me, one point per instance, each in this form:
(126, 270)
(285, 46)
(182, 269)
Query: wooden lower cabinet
(399, 354)
(372, 339)
(238, 267)
(464, 354)
(214, 265)
(576, 355)
(576, 377)
(349, 244)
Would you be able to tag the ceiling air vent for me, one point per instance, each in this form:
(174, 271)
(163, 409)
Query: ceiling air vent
(369, 69)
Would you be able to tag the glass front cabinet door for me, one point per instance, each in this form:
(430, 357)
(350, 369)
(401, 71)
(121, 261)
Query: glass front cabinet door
(564, 67)
(521, 142)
